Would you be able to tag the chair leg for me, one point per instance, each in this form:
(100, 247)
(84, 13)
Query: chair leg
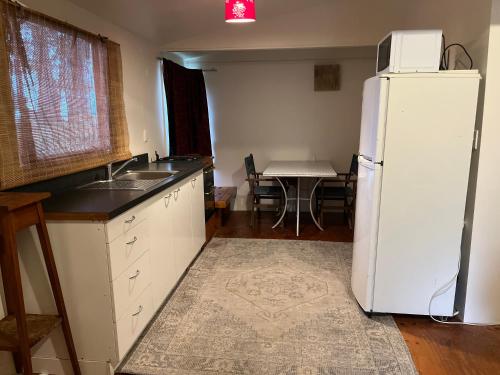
(281, 208)
(56, 288)
(252, 216)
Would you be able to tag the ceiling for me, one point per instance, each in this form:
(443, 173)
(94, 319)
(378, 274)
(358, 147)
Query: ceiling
(162, 21)
(196, 25)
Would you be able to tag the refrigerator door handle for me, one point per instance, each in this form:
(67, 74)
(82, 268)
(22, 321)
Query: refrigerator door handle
(364, 159)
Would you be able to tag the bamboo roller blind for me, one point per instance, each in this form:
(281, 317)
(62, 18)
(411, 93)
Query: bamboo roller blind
(61, 98)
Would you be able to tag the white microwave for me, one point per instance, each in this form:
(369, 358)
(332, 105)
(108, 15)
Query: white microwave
(410, 51)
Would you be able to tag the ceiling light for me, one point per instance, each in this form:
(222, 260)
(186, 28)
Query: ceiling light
(240, 11)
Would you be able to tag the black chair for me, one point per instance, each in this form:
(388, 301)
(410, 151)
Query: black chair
(259, 191)
(340, 189)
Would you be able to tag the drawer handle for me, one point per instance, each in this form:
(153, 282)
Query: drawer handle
(167, 199)
(137, 273)
(133, 241)
(138, 311)
(176, 193)
(130, 220)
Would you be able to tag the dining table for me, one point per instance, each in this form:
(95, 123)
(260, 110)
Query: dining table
(317, 170)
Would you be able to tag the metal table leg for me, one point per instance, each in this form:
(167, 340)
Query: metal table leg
(310, 204)
(286, 204)
(298, 204)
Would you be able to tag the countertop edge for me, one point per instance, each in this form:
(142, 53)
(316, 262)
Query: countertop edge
(77, 216)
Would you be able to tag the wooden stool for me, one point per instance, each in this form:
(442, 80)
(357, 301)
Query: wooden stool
(223, 197)
(20, 331)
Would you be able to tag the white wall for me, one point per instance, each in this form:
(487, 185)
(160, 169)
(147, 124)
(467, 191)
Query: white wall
(140, 72)
(479, 50)
(270, 109)
(480, 279)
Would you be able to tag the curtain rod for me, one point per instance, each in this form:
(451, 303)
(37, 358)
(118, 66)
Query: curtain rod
(203, 70)
(17, 3)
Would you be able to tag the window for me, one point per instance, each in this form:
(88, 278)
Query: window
(62, 98)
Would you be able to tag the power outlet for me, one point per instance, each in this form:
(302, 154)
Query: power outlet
(145, 135)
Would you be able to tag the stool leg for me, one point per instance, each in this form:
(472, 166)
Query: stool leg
(14, 296)
(56, 287)
(6, 268)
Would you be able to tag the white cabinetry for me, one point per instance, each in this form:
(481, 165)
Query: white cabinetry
(114, 274)
(182, 240)
(176, 234)
(197, 211)
(162, 247)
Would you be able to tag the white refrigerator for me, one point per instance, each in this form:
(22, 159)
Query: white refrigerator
(416, 141)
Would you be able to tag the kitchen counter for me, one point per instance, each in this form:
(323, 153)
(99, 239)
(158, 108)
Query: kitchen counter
(102, 205)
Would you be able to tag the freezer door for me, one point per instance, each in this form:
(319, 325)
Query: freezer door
(373, 117)
(366, 232)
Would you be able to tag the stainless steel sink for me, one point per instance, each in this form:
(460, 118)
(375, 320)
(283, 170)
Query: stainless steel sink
(131, 180)
(145, 175)
(121, 185)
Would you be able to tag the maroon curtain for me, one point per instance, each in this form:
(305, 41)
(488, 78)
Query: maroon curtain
(188, 126)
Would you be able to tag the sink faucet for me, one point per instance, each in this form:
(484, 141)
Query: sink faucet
(111, 174)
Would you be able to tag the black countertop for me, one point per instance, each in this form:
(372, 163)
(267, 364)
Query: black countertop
(82, 204)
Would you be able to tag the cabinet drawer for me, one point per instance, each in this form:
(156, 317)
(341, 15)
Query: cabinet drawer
(127, 248)
(125, 222)
(137, 316)
(131, 284)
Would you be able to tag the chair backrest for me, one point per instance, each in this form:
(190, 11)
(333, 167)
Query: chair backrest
(353, 170)
(250, 166)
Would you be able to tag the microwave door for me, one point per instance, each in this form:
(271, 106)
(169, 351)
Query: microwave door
(384, 54)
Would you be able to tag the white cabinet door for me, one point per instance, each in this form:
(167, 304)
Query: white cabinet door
(181, 227)
(197, 213)
(163, 244)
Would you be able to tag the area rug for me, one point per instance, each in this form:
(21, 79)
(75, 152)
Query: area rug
(252, 306)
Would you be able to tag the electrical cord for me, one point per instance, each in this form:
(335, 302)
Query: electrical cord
(443, 290)
(444, 65)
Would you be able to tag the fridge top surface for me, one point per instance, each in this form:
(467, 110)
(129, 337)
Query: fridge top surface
(474, 73)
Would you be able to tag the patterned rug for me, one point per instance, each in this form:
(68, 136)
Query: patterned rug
(269, 307)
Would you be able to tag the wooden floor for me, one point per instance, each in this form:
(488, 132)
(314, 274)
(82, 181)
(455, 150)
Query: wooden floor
(436, 349)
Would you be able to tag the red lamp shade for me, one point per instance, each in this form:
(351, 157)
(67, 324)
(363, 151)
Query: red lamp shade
(240, 11)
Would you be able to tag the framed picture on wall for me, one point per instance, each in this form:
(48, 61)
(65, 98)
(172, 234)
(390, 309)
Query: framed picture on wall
(327, 77)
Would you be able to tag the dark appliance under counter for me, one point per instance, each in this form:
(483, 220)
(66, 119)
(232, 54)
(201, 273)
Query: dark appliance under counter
(208, 177)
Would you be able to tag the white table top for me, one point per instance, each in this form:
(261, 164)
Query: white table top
(300, 169)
